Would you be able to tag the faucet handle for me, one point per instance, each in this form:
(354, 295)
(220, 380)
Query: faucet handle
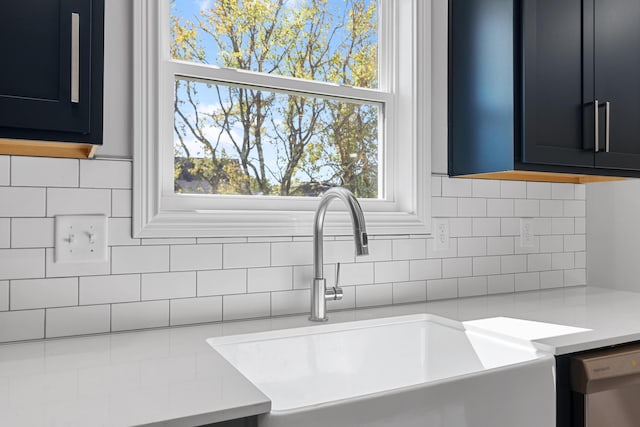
(335, 293)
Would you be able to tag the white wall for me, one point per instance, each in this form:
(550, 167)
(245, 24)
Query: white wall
(613, 235)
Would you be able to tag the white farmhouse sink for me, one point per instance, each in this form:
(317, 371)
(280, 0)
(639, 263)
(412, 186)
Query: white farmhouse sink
(418, 370)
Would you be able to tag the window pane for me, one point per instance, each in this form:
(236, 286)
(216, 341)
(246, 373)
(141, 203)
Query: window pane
(242, 140)
(324, 40)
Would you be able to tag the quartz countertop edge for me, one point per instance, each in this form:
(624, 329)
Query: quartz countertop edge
(172, 377)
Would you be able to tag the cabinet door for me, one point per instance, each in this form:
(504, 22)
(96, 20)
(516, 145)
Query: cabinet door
(617, 81)
(40, 73)
(557, 91)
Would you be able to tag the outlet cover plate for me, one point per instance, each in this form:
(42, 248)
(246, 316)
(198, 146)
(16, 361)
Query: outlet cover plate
(81, 238)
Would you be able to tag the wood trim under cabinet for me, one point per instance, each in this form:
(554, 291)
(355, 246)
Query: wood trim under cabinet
(543, 177)
(19, 147)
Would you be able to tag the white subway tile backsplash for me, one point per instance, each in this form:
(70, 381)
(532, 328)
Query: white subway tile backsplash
(109, 289)
(425, 269)
(527, 282)
(392, 271)
(409, 249)
(551, 208)
(513, 190)
(43, 172)
(453, 187)
(291, 253)
(4, 295)
(527, 208)
(457, 267)
(208, 279)
(442, 289)
(575, 243)
(539, 262)
(289, 302)
(472, 246)
(575, 208)
(22, 202)
(222, 282)
(246, 255)
(562, 191)
(42, 293)
(472, 207)
(21, 325)
(501, 284)
(373, 295)
(189, 311)
(562, 261)
(246, 306)
(139, 315)
(472, 286)
(5, 170)
(120, 233)
(21, 263)
(157, 286)
(500, 246)
(78, 201)
(270, 279)
(510, 226)
(460, 227)
(444, 207)
(538, 190)
(195, 257)
(68, 321)
(105, 174)
(407, 292)
(551, 279)
(121, 203)
(355, 274)
(513, 264)
(577, 277)
(551, 244)
(486, 227)
(5, 233)
(562, 225)
(486, 188)
(484, 266)
(32, 232)
(139, 259)
(500, 207)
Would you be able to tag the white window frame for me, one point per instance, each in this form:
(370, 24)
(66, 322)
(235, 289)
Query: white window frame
(159, 212)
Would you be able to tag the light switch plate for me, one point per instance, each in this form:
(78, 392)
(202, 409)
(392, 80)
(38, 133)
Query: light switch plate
(81, 238)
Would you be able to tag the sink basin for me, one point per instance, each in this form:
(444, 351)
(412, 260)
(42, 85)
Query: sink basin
(418, 370)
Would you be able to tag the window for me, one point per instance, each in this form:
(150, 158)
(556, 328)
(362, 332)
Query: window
(247, 110)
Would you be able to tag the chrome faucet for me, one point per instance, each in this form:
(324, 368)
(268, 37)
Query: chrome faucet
(319, 292)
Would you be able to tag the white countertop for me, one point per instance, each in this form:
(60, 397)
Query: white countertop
(172, 376)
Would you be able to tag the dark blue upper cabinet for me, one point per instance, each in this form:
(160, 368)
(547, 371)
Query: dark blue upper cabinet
(544, 85)
(52, 70)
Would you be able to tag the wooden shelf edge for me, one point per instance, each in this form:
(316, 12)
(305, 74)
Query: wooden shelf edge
(543, 177)
(17, 147)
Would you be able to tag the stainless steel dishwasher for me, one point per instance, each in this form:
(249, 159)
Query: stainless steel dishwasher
(606, 386)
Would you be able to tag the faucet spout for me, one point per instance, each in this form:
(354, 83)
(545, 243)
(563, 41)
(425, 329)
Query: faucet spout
(319, 292)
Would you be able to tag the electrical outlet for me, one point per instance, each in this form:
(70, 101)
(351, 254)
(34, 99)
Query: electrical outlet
(527, 233)
(441, 234)
(81, 238)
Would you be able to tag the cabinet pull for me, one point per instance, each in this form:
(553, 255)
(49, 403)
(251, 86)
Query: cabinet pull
(596, 127)
(607, 125)
(75, 58)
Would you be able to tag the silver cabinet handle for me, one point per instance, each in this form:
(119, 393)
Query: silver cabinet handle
(75, 58)
(596, 127)
(607, 125)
